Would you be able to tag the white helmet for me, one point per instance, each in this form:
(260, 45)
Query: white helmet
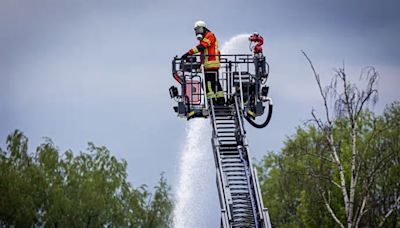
(199, 29)
(198, 24)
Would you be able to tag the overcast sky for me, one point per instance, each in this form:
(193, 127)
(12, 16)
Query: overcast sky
(79, 71)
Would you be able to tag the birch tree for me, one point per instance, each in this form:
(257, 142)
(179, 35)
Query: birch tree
(301, 183)
(348, 103)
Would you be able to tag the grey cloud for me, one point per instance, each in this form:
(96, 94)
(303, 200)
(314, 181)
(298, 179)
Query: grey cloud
(99, 71)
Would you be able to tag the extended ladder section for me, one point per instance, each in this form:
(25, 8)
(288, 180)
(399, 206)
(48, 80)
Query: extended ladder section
(239, 193)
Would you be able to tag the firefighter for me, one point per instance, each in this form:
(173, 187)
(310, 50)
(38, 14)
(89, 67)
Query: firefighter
(208, 47)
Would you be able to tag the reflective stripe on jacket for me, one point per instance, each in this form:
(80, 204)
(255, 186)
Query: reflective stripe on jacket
(211, 48)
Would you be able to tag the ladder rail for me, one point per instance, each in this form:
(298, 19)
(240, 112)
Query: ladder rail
(241, 87)
(220, 178)
(264, 215)
(256, 205)
(263, 212)
(248, 175)
(204, 86)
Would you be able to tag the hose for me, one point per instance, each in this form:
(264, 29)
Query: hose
(266, 122)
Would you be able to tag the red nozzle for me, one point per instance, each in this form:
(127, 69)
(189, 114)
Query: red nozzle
(255, 37)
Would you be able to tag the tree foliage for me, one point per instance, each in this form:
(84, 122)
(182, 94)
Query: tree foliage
(47, 188)
(342, 168)
(295, 182)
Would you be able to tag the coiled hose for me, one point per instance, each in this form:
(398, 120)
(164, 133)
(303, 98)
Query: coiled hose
(266, 122)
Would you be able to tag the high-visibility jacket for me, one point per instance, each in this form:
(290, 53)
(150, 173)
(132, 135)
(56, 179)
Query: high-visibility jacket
(208, 46)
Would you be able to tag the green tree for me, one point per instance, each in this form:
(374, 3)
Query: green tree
(50, 189)
(297, 182)
(18, 178)
(339, 169)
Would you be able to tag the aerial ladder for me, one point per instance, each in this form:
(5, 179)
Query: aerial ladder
(243, 78)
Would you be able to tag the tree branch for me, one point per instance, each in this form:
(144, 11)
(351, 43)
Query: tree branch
(328, 207)
(329, 136)
(317, 78)
(394, 206)
(361, 212)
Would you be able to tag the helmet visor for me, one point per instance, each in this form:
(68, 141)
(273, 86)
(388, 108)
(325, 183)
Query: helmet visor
(199, 30)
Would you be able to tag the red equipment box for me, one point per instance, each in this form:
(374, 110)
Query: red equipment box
(193, 91)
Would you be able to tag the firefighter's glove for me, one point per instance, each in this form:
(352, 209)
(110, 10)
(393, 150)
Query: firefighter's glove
(184, 56)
